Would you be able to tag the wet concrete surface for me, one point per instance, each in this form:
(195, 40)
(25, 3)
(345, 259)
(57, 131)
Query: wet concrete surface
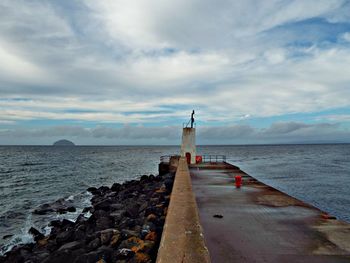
(262, 224)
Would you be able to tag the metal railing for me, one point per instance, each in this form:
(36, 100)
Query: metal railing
(186, 124)
(213, 158)
(205, 158)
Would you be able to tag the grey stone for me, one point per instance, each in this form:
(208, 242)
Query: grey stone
(70, 246)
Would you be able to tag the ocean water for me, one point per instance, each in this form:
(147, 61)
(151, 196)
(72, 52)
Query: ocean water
(33, 175)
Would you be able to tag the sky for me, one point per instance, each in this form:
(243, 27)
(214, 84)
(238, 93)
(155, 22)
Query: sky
(118, 72)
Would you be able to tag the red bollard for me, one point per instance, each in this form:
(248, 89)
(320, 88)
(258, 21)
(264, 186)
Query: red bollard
(198, 158)
(238, 181)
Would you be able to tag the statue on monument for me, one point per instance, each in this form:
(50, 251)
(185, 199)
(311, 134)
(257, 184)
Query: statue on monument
(192, 119)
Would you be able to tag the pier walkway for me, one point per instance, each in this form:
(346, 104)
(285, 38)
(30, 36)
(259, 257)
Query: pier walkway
(261, 224)
(182, 238)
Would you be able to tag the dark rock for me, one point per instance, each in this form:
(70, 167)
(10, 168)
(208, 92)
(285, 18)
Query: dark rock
(71, 209)
(80, 219)
(70, 246)
(60, 256)
(104, 223)
(43, 209)
(124, 253)
(92, 190)
(116, 187)
(55, 223)
(60, 206)
(7, 236)
(125, 233)
(103, 253)
(91, 257)
(149, 246)
(132, 210)
(115, 239)
(150, 225)
(107, 234)
(36, 234)
(14, 258)
(143, 207)
(117, 215)
(116, 207)
(103, 189)
(131, 223)
(61, 210)
(65, 236)
(152, 236)
(87, 209)
(79, 233)
(151, 218)
(125, 225)
(40, 256)
(103, 205)
(94, 244)
(67, 223)
(52, 245)
(168, 184)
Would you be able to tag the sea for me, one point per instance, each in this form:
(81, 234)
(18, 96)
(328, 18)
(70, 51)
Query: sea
(34, 175)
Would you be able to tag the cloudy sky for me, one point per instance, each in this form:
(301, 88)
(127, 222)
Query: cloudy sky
(130, 72)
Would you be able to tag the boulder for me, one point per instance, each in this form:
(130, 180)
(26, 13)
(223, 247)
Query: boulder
(103, 205)
(143, 207)
(116, 187)
(7, 236)
(152, 236)
(124, 253)
(104, 223)
(65, 236)
(92, 190)
(79, 233)
(94, 244)
(70, 246)
(125, 233)
(132, 210)
(37, 235)
(107, 234)
(115, 239)
(116, 206)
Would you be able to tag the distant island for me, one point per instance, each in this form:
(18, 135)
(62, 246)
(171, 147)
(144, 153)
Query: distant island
(63, 143)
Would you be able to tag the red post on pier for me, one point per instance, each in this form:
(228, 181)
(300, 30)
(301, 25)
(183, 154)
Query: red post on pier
(199, 159)
(238, 181)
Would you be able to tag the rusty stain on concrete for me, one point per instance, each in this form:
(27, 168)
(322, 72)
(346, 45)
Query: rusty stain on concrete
(262, 224)
(336, 232)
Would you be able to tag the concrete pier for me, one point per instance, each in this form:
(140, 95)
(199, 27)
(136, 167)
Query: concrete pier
(262, 224)
(182, 238)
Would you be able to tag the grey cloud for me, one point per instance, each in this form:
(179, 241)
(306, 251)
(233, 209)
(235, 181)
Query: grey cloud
(125, 132)
(226, 132)
(285, 127)
(206, 53)
(237, 134)
(138, 133)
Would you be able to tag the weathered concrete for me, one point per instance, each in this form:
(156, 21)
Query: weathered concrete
(261, 224)
(188, 144)
(182, 238)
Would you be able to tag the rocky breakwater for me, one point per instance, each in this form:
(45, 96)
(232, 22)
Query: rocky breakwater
(125, 225)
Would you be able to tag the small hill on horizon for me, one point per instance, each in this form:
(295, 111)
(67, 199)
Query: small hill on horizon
(63, 143)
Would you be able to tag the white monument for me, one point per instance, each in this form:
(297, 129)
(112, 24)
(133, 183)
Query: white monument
(188, 146)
